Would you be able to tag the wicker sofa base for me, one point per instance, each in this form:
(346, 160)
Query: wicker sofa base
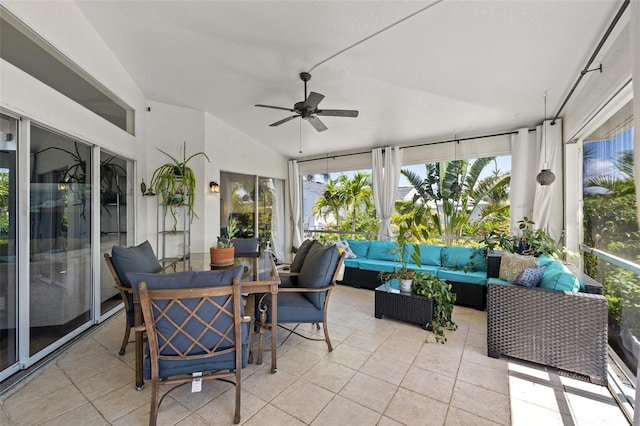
(474, 295)
(360, 278)
(470, 294)
(555, 328)
(404, 307)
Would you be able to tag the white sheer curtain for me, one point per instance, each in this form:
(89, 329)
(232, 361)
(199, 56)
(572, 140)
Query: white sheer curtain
(524, 162)
(296, 201)
(386, 177)
(548, 200)
(277, 215)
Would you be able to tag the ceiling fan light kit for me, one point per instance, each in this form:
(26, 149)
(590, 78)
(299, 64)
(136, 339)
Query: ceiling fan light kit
(308, 109)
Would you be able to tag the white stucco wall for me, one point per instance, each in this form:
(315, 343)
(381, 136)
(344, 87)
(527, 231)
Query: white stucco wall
(233, 151)
(67, 30)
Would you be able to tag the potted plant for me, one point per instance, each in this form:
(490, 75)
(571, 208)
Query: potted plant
(222, 252)
(432, 287)
(409, 229)
(533, 242)
(175, 182)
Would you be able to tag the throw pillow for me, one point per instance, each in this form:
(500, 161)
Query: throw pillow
(359, 248)
(317, 271)
(530, 277)
(558, 277)
(512, 265)
(343, 245)
(134, 259)
(301, 254)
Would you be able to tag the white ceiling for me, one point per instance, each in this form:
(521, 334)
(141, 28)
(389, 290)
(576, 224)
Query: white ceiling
(459, 68)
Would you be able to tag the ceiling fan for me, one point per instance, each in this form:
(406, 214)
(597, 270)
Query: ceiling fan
(308, 109)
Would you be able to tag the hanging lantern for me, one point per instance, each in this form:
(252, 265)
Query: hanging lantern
(545, 177)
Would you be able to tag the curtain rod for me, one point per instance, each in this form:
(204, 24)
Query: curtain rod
(333, 157)
(585, 70)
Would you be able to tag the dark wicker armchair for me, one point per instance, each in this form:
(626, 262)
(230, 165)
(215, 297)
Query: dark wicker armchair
(555, 328)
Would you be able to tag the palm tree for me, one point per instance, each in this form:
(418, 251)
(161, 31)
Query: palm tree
(330, 204)
(355, 194)
(454, 210)
(616, 186)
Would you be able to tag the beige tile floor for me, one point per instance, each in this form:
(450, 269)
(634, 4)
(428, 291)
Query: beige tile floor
(381, 372)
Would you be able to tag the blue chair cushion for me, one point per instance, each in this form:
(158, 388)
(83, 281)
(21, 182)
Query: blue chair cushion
(530, 277)
(461, 257)
(301, 254)
(193, 328)
(358, 247)
(294, 307)
(134, 259)
(317, 271)
(429, 254)
(382, 250)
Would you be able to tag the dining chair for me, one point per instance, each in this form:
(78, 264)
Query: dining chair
(196, 330)
(305, 299)
(140, 258)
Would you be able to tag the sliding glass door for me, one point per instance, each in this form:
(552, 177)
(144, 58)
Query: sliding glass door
(257, 203)
(8, 248)
(60, 289)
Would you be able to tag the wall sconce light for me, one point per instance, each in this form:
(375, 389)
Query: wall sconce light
(214, 187)
(146, 191)
(62, 186)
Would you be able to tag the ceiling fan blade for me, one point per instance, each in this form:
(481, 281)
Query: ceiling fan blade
(315, 122)
(274, 107)
(284, 120)
(337, 112)
(312, 101)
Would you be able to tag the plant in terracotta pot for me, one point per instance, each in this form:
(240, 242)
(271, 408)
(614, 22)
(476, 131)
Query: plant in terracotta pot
(175, 182)
(223, 252)
(432, 287)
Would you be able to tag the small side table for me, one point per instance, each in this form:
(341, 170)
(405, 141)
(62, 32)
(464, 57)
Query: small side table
(409, 307)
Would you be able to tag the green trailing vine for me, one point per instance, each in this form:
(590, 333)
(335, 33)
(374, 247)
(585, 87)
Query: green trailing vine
(432, 287)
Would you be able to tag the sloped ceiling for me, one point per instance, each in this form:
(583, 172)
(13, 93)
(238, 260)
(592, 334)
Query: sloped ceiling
(458, 68)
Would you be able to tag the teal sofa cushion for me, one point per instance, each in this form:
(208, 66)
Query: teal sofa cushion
(429, 269)
(378, 265)
(352, 263)
(558, 277)
(461, 257)
(429, 254)
(359, 248)
(476, 277)
(382, 250)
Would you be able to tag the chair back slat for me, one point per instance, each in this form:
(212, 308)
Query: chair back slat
(192, 323)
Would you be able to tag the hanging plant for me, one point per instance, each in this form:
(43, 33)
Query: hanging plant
(175, 182)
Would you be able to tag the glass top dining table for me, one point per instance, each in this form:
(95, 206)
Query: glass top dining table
(259, 276)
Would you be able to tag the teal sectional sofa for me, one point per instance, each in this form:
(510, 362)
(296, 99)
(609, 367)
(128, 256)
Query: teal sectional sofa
(462, 267)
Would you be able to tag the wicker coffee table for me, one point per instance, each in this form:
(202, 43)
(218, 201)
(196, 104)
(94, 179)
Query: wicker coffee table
(391, 302)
